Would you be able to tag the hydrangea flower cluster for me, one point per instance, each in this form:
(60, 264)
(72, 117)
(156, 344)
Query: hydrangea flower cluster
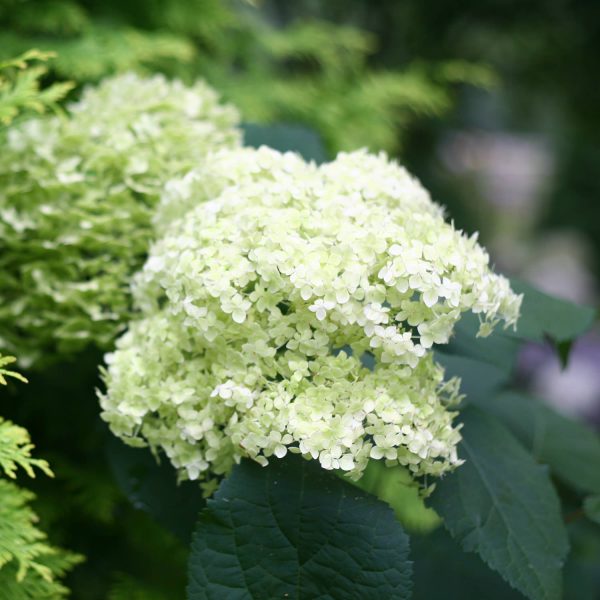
(260, 305)
(77, 194)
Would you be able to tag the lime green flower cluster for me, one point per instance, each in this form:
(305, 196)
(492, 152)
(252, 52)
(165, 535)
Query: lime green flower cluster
(273, 284)
(77, 193)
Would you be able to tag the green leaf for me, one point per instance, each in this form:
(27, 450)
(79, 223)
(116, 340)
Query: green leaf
(591, 507)
(152, 487)
(286, 137)
(294, 530)
(498, 349)
(544, 316)
(396, 486)
(501, 504)
(443, 572)
(569, 448)
(478, 380)
(582, 571)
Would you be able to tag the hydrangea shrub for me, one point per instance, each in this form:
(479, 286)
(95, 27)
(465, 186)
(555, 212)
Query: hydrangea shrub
(77, 194)
(262, 304)
(286, 319)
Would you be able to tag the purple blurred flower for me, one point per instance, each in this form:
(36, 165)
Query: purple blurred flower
(574, 390)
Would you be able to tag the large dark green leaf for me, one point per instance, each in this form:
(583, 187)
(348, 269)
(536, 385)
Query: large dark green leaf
(444, 572)
(286, 137)
(478, 379)
(591, 507)
(543, 316)
(294, 530)
(582, 571)
(152, 487)
(498, 349)
(568, 447)
(501, 504)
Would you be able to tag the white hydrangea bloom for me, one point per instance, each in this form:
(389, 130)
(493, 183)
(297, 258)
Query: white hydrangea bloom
(259, 305)
(226, 168)
(77, 194)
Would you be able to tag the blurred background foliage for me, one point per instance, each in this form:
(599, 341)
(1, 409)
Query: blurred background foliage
(306, 70)
(494, 105)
